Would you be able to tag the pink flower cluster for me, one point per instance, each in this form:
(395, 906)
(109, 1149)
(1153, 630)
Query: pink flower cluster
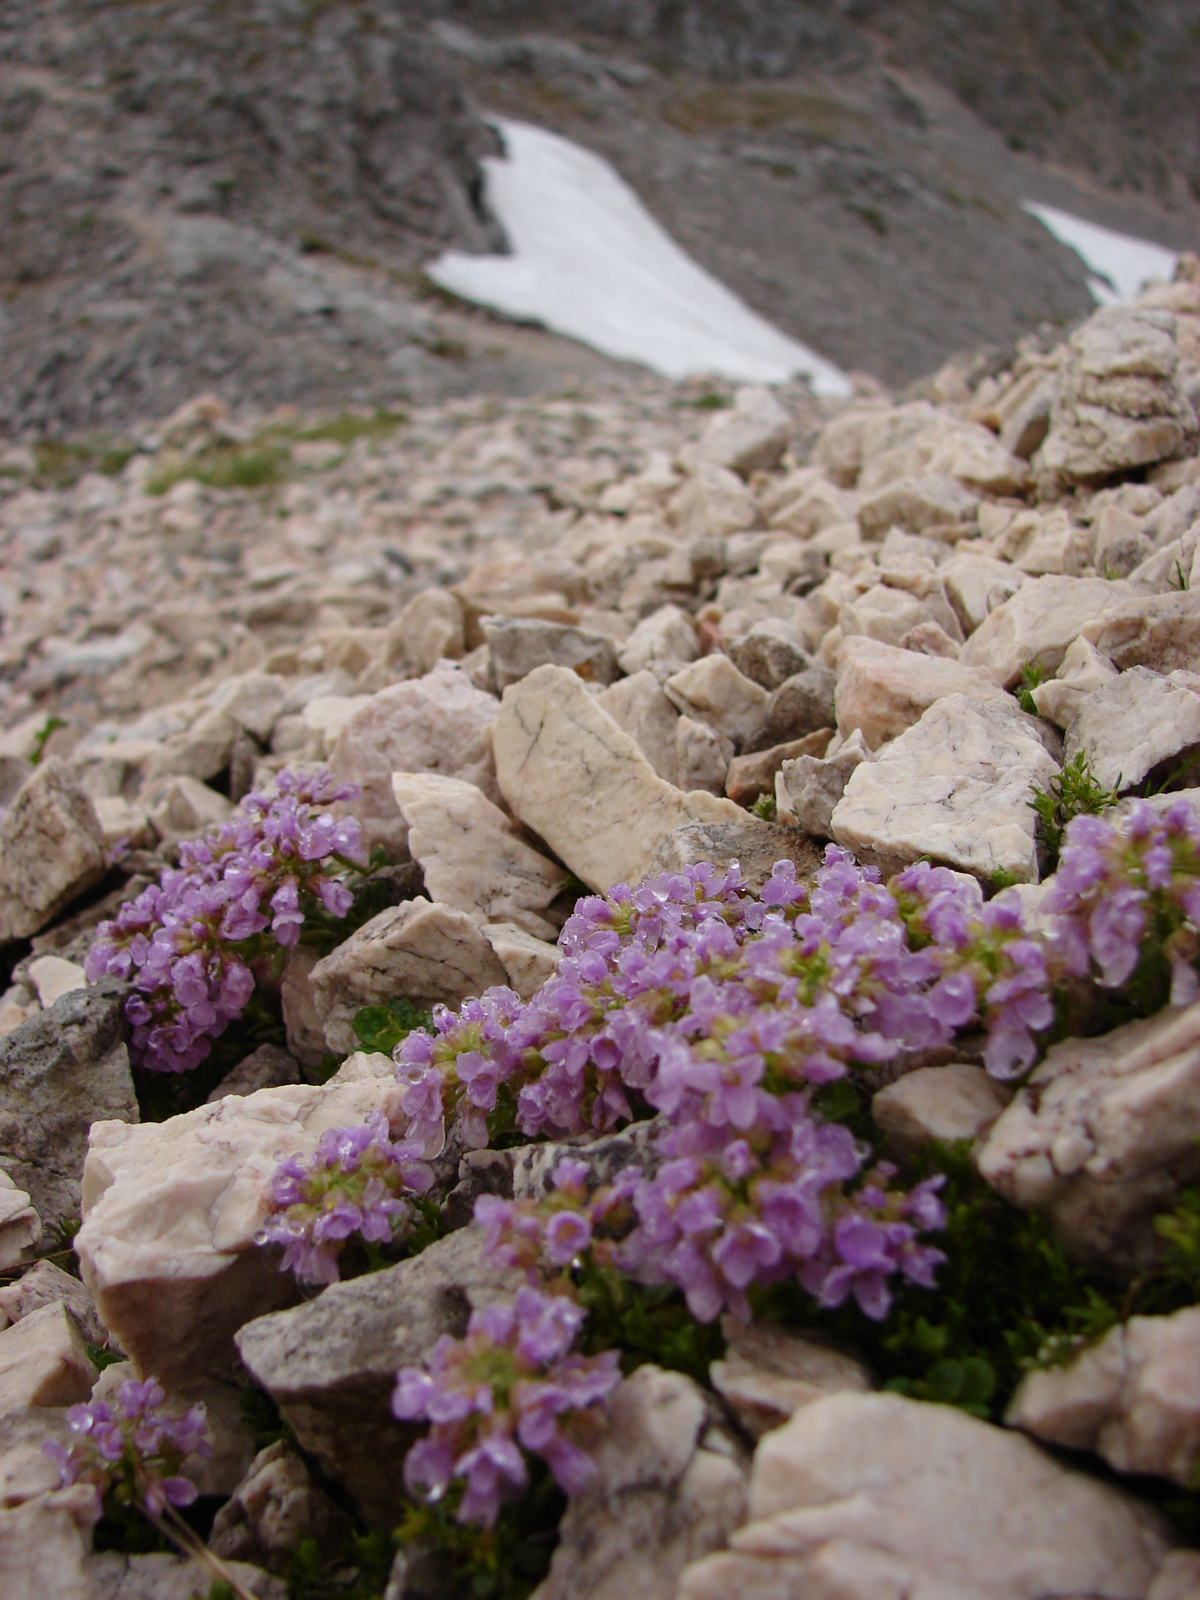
(513, 1387)
(132, 1448)
(187, 943)
(355, 1182)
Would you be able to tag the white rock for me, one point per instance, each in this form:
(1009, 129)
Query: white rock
(328, 715)
(123, 822)
(808, 788)
(305, 1031)
(667, 636)
(20, 1228)
(1161, 631)
(182, 807)
(423, 951)
(702, 756)
(1133, 1398)
(472, 855)
(527, 961)
(45, 1546)
(819, 506)
(53, 977)
(1178, 1577)
(1104, 1133)
(712, 690)
(713, 503)
(890, 614)
(171, 1210)
(1041, 542)
(976, 584)
(935, 501)
(954, 787)
(1133, 723)
(883, 690)
(572, 775)
(199, 751)
(436, 723)
(428, 630)
(750, 436)
(254, 700)
(766, 1375)
(50, 850)
(1083, 670)
(875, 1497)
(1038, 623)
(43, 1362)
(957, 1101)
(638, 705)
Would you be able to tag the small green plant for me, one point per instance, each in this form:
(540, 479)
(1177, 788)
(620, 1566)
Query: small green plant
(381, 1028)
(646, 1322)
(1032, 676)
(505, 1562)
(1075, 791)
(223, 467)
(44, 733)
(764, 808)
(1179, 579)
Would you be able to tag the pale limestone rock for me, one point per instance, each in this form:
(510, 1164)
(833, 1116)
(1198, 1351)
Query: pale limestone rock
(891, 614)
(755, 846)
(51, 850)
(1026, 421)
(770, 653)
(122, 822)
(43, 1361)
(976, 584)
(1038, 623)
(666, 638)
(527, 961)
(53, 977)
(518, 644)
(1178, 1577)
(808, 788)
(712, 690)
(955, 786)
(20, 1229)
(1042, 542)
(427, 952)
(875, 1497)
(972, 455)
(1161, 631)
(254, 700)
(931, 639)
(182, 808)
(1133, 1398)
(934, 501)
(199, 751)
(713, 503)
(428, 630)
(1083, 670)
(1130, 725)
(171, 1210)
(659, 1500)
(45, 1284)
(702, 756)
(273, 1508)
(800, 706)
(750, 436)
(45, 1546)
(957, 1101)
(1119, 402)
(472, 855)
(766, 1375)
(754, 775)
(436, 723)
(1104, 1134)
(883, 690)
(820, 505)
(638, 705)
(1171, 520)
(839, 447)
(327, 716)
(301, 1019)
(572, 775)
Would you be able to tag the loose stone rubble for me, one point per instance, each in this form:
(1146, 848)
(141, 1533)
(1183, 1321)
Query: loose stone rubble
(561, 644)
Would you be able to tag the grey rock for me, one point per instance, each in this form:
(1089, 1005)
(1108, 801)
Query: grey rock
(1132, 724)
(275, 1506)
(801, 705)
(46, 1284)
(754, 775)
(51, 850)
(60, 1071)
(114, 1576)
(767, 658)
(268, 1067)
(808, 788)
(755, 846)
(766, 1375)
(331, 1365)
(1161, 631)
(516, 645)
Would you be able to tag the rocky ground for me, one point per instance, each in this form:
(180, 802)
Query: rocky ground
(560, 644)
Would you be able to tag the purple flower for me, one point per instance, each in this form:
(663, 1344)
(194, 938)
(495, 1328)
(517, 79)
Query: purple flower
(132, 1449)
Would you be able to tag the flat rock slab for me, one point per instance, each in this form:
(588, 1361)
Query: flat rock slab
(1161, 631)
(51, 850)
(883, 690)
(954, 787)
(331, 1365)
(60, 1071)
(582, 784)
(1132, 724)
(1038, 623)
(516, 645)
(755, 846)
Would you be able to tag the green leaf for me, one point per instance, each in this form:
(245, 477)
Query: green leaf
(381, 1028)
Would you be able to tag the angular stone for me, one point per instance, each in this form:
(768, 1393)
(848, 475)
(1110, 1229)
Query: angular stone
(516, 645)
(51, 850)
(268, 1067)
(54, 977)
(1104, 1134)
(121, 822)
(436, 723)
(275, 1506)
(1178, 1577)
(702, 756)
(472, 855)
(802, 704)
(957, 1101)
(572, 775)
(1178, 513)
(1038, 623)
(660, 1499)
(891, 614)
(766, 1375)
(199, 751)
(20, 1226)
(954, 787)
(1133, 1398)
(883, 690)
(428, 630)
(755, 846)
(875, 1497)
(254, 700)
(45, 1546)
(712, 503)
(639, 706)
(527, 961)
(712, 690)
(767, 656)
(749, 437)
(43, 1361)
(171, 1211)
(330, 1365)
(61, 1071)
(113, 1576)
(45, 1284)
(1161, 631)
(1132, 724)
(425, 952)
(915, 504)
(1083, 670)
(754, 775)
(182, 808)
(301, 1019)
(666, 638)
(808, 788)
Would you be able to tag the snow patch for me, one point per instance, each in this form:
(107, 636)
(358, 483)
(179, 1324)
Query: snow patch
(589, 261)
(1119, 266)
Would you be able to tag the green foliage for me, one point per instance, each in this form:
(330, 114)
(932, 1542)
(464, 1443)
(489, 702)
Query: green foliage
(1032, 675)
(1074, 792)
(647, 1322)
(49, 727)
(359, 1571)
(764, 808)
(1179, 579)
(223, 466)
(101, 1356)
(60, 463)
(263, 1418)
(350, 427)
(506, 1562)
(382, 1027)
(968, 1384)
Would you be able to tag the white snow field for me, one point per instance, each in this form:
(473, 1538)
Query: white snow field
(1119, 265)
(589, 261)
